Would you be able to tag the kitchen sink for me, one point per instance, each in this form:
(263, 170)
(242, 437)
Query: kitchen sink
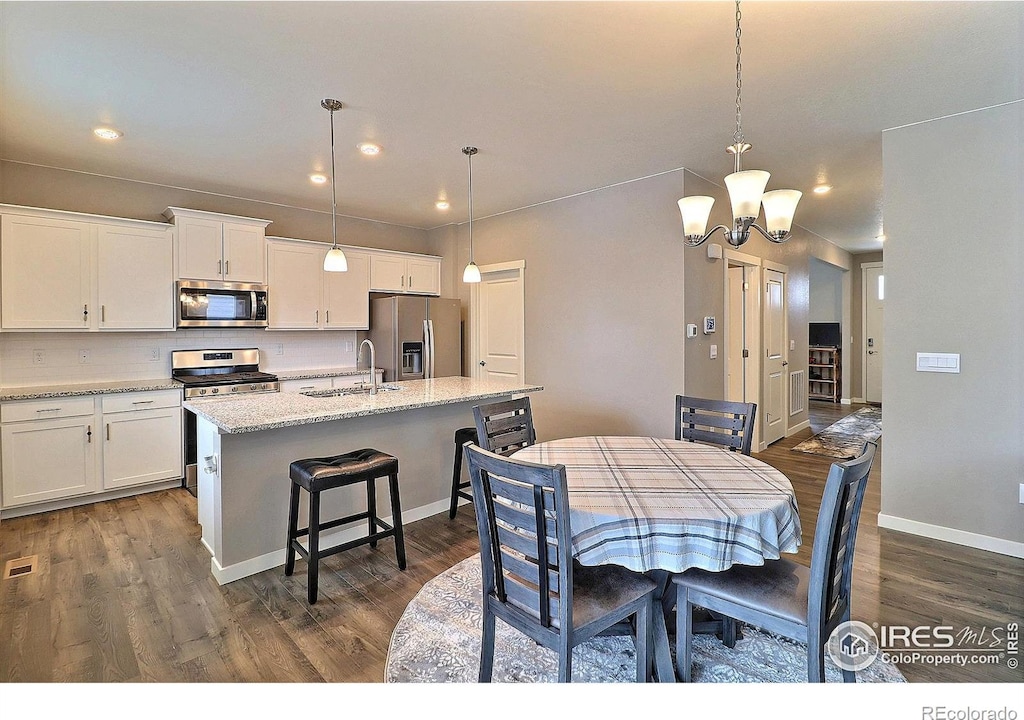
(355, 390)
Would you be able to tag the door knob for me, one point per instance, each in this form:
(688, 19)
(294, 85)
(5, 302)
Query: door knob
(871, 352)
(784, 363)
(482, 363)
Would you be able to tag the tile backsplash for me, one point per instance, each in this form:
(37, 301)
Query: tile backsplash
(29, 359)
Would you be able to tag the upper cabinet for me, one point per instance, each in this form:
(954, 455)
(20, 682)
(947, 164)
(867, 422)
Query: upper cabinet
(302, 296)
(394, 272)
(212, 246)
(70, 271)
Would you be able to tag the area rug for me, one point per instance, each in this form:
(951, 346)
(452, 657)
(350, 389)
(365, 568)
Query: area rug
(437, 640)
(845, 438)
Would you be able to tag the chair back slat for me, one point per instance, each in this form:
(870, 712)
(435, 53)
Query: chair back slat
(522, 512)
(506, 426)
(835, 536)
(718, 422)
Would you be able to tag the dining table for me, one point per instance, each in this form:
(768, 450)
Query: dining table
(660, 506)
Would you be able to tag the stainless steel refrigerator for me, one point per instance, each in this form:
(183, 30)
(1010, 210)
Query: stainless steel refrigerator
(416, 337)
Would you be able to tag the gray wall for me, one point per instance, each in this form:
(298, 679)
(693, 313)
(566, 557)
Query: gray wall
(604, 303)
(35, 186)
(825, 292)
(954, 446)
(856, 330)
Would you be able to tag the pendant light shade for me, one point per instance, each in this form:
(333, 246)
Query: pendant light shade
(695, 210)
(472, 273)
(335, 260)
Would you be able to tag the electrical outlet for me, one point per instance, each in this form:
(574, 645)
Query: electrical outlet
(350, 346)
(714, 352)
(279, 349)
(83, 356)
(154, 355)
(38, 357)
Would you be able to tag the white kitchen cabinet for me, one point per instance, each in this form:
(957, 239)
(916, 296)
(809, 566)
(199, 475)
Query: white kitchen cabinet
(48, 450)
(64, 448)
(302, 296)
(217, 247)
(69, 271)
(405, 273)
(142, 438)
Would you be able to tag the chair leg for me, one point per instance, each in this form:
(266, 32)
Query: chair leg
(371, 508)
(564, 657)
(643, 642)
(684, 634)
(293, 524)
(456, 480)
(728, 632)
(396, 520)
(312, 571)
(487, 646)
(815, 657)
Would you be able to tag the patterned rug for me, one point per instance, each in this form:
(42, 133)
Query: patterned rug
(437, 640)
(844, 438)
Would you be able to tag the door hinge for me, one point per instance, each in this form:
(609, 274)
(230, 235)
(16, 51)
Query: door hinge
(746, 353)
(746, 285)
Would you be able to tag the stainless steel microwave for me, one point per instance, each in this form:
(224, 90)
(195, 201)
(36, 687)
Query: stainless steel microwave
(220, 304)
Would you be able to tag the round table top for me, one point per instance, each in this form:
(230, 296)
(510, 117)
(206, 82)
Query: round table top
(650, 503)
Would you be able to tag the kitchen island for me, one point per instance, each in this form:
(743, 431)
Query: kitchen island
(246, 444)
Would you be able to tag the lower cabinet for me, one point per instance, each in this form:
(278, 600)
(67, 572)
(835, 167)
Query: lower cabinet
(65, 448)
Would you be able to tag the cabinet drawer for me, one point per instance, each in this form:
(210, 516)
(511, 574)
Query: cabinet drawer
(343, 381)
(149, 400)
(295, 386)
(46, 409)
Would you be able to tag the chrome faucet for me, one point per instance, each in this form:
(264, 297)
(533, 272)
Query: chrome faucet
(373, 366)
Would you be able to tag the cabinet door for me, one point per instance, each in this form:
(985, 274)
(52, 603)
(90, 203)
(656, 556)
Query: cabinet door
(47, 460)
(142, 446)
(423, 276)
(294, 274)
(347, 295)
(244, 253)
(135, 278)
(46, 274)
(200, 251)
(387, 273)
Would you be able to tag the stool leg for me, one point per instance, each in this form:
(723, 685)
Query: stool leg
(314, 546)
(456, 481)
(396, 520)
(293, 523)
(371, 508)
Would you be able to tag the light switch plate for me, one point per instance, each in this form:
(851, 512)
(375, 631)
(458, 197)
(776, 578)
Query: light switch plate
(691, 330)
(938, 362)
(714, 352)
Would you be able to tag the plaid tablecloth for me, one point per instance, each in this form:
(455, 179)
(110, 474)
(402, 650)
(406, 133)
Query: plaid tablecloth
(648, 503)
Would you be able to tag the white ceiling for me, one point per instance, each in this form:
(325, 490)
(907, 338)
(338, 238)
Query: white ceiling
(560, 97)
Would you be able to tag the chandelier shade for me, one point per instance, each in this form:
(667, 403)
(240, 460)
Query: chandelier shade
(745, 190)
(779, 208)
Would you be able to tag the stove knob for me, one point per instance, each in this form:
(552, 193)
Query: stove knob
(254, 386)
(214, 391)
(263, 386)
(202, 391)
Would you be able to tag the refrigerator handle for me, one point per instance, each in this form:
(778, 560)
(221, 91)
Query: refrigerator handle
(426, 349)
(430, 330)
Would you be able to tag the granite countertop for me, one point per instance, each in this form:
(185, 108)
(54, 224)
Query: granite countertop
(97, 388)
(320, 373)
(267, 411)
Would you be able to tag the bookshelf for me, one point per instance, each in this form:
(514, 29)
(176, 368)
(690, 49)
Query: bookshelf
(824, 373)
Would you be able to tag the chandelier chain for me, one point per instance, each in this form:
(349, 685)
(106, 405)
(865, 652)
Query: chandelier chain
(738, 135)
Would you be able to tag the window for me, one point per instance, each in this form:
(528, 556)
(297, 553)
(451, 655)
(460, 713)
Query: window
(881, 287)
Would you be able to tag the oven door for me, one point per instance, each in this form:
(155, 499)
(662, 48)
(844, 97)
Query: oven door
(211, 304)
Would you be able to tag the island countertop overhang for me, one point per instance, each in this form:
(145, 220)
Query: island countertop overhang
(268, 411)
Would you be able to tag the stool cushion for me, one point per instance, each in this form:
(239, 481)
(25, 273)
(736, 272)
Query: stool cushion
(316, 474)
(465, 435)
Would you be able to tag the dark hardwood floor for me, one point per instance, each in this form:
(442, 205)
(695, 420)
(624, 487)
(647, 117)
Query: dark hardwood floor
(123, 592)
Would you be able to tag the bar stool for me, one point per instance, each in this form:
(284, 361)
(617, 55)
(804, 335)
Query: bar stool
(462, 436)
(326, 473)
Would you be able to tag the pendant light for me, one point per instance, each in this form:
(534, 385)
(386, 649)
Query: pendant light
(472, 273)
(746, 192)
(335, 260)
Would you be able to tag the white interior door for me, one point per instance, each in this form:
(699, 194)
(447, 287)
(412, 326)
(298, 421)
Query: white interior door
(773, 414)
(735, 363)
(498, 316)
(873, 294)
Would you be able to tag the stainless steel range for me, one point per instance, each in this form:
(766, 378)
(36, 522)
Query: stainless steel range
(212, 374)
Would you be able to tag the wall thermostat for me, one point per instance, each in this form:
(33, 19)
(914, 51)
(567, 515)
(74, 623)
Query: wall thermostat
(709, 325)
(691, 330)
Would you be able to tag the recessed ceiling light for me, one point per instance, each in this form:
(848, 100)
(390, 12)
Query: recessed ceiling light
(442, 205)
(318, 178)
(107, 133)
(822, 189)
(369, 149)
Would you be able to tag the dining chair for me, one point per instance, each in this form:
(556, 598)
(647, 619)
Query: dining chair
(529, 578)
(506, 426)
(804, 604)
(719, 422)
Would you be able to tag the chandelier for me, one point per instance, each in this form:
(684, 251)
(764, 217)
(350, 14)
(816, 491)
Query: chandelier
(746, 192)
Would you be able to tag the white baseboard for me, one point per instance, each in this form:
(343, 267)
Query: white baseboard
(845, 401)
(859, 401)
(952, 535)
(22, 510)
(270, 560)
(797, 428)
